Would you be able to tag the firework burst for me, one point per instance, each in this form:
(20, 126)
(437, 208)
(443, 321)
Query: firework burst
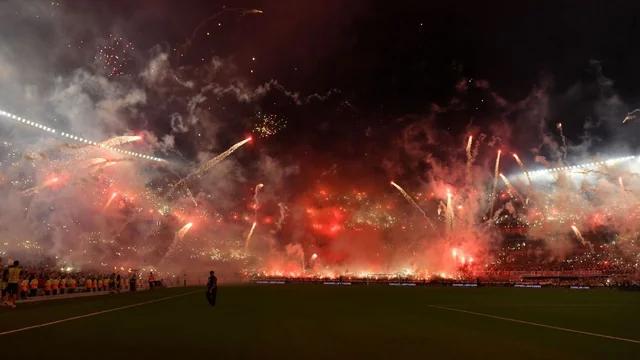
(113, 56)
(268, 125)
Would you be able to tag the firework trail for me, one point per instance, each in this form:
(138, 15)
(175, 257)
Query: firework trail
(106, 163)
(450, 214)
(82, 163)
(257, 202)
(496, 173)
(255, 195)
(103, 165)
(187, 44)
(411, 201)
(622, 189)
(182, 232)
(283, 214)
(469, 160)
(621, 185)
(255, 216)
(91, 162)
(312, 260)
(246, 243)
(213, 162)
(178, 236)
(113, 196)
(579, 236)
(186, 188)
(36, 189)
(526, 173)
(209, 164)
(119, 140)
(512, 190)
(476, 148)
(631, 116)
(564, 141)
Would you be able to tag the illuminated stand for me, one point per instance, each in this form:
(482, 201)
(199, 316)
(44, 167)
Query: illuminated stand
(77, 138)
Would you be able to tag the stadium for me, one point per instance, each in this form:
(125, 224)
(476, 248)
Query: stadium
(355, 179)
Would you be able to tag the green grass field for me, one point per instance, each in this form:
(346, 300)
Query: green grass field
(330, 322)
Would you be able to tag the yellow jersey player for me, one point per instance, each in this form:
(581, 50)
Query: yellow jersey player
(12, 283)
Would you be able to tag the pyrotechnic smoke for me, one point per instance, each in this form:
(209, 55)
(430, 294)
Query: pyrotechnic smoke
(476, 148)
(496, 172)
(356, 234)
(296, 252)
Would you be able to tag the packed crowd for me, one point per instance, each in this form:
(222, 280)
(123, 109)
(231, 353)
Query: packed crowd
(607, 259)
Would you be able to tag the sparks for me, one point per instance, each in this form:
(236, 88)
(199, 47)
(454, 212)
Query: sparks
(113, 196)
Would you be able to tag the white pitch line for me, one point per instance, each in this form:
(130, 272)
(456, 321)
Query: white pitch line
(536, 324)
(537, 305)
(94, 314)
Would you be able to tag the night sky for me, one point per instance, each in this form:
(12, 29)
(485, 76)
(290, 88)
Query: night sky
(382, 62)
(377, 62)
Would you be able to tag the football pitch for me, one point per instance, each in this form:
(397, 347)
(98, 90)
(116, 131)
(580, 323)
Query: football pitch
(329, 322)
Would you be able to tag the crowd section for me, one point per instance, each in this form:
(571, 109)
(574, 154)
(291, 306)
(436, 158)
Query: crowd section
(606, 259)
(599, 265)
(513, 280)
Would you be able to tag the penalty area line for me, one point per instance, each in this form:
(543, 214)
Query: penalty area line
(537, 324)
(95, 313)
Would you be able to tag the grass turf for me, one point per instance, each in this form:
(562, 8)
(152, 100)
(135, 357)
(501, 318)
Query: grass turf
(330, 322)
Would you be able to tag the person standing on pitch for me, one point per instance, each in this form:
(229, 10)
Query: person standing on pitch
(151, 281)
(212, 289)
(12, 283)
